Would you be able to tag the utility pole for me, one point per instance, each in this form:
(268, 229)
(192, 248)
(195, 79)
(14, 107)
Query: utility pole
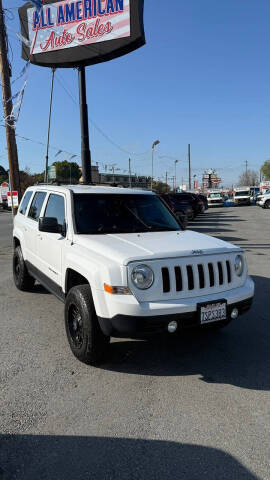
(246, 162)
(129, 171)
(167, 181)
(175, 163)
(189, 168)
(8, 106)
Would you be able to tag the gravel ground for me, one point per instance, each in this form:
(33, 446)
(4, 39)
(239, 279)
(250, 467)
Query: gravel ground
(188, 408)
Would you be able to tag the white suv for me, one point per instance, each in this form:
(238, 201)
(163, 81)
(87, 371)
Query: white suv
(264, 199)
(120, 261)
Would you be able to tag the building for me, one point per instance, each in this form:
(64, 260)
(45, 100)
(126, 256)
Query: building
(122, 180)
(125, 181)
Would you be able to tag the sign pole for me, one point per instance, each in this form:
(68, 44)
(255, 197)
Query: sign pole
(49, 128)
(85, 148)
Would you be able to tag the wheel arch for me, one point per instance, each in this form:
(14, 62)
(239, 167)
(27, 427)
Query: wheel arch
(74, 278)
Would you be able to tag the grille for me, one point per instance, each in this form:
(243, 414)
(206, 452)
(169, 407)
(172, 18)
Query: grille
(200, 276)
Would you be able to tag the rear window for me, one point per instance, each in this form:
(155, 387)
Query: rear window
(36, 205)
(25, 202)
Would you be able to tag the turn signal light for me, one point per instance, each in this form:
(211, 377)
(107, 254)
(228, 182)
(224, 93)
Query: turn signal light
(116, 290)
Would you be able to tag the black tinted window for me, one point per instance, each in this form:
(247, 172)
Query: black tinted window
(25, 202)
(99, 214)
(56, 208)
(36, 205)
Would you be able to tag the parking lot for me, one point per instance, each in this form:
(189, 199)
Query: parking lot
(188, 408)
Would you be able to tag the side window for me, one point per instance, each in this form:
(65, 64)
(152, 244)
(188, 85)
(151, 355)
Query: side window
(56, 208)
(36, 205)
(25, 202)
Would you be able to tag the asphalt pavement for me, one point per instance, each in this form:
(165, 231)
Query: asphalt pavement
(195, 407)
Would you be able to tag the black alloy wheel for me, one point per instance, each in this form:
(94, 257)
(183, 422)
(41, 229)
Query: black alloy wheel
(86, 339)
(75, 326)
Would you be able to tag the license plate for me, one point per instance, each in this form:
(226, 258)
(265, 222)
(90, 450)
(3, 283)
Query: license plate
(213, 312)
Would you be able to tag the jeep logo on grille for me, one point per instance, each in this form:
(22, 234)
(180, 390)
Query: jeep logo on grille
(197, 252)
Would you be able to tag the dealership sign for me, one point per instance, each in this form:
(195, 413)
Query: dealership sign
(67, 33)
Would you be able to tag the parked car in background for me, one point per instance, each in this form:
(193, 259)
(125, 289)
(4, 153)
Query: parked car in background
(215, 199)
(264, 200)
(203, 198)
(254, 191)
(241, 196)
(260, 195)
(181, 208)
(195, 202)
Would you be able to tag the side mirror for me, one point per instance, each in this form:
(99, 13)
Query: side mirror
(49, 225)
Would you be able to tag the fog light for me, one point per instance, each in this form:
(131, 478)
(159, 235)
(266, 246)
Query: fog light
(234, 313)
(172, 327)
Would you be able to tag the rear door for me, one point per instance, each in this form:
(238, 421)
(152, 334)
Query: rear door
(50, 245)
(30, 227)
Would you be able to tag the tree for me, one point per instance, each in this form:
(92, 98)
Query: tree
(160, 187)
(266, 170)
(249, 178)
(66, 171)
(3, 175)
(28, 179)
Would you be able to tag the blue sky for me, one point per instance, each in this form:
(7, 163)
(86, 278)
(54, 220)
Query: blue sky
(203, 78)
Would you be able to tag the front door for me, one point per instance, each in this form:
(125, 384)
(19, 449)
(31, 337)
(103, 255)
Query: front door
(50, 245)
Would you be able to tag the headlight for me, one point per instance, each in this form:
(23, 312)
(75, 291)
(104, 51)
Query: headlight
(239, 265)
(142, 277)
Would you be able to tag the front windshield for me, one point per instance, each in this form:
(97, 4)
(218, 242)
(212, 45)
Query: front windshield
(242, 194)
(111, 213)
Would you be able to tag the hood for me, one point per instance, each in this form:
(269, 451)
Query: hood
(124, 248)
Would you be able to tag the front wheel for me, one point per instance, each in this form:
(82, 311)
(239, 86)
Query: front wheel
(267, 204)
(85, 337)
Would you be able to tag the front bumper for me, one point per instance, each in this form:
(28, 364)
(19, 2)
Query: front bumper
(261, 203)
(125, 326)
(148, 318)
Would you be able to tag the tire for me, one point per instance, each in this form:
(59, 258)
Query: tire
(86, 340)
(22, 279)
(267, 204)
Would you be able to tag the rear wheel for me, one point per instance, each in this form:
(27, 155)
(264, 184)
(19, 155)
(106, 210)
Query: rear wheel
(86, 340)
(22, 279)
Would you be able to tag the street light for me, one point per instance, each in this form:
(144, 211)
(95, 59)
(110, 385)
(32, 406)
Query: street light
(153, 149)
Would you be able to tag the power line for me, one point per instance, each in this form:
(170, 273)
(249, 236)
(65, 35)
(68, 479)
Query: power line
(99, 129)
